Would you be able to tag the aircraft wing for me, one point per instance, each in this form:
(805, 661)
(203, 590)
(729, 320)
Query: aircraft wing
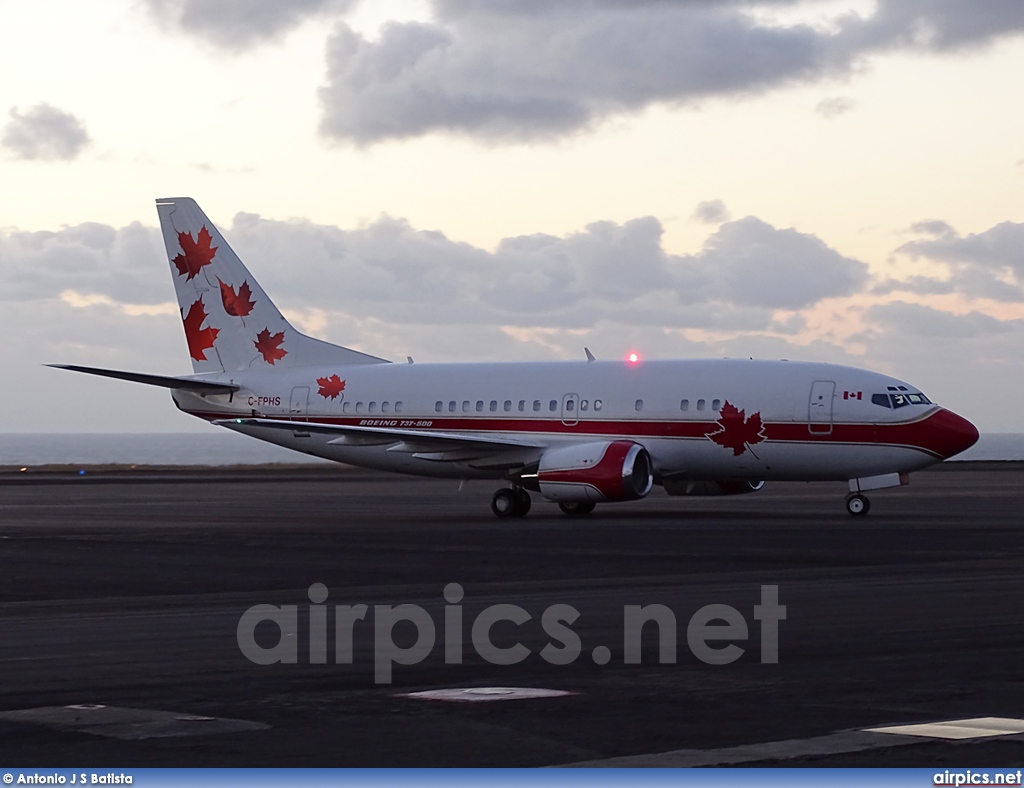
(422, 444)
(188, 384)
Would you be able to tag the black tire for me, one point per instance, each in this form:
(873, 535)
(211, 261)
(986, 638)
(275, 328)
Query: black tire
(858, 505)
(576, 508)
(505, 503)
(525, 503)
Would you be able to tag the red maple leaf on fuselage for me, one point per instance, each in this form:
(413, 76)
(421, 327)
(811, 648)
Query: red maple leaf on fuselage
(199, 339)
(269, 345)
(195, 253)
(330, 387)
(737, 432)
(237, 304)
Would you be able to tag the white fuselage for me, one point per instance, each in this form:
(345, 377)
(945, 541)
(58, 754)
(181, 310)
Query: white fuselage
(816, 421)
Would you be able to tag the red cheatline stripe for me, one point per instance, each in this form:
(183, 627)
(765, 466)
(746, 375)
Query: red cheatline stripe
(917, 434)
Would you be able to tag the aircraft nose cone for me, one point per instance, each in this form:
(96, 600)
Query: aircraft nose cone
(953, 433)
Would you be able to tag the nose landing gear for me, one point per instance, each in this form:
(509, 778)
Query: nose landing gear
(510, 502)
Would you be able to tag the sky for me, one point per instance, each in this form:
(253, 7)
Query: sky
(469, 180)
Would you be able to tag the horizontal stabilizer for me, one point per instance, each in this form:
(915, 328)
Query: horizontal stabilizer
(188, 384)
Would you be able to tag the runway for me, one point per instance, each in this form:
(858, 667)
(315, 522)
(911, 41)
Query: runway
(126, 591)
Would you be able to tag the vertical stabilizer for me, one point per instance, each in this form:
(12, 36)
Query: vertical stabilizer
(230, 323)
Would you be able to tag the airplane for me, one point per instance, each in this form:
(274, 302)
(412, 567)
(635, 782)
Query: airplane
(577, 433)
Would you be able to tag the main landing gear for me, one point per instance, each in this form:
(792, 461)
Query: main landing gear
(576, 508)
(858, 505)
(510, 502)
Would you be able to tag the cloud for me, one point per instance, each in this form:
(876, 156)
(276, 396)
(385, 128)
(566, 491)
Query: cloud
(989, 264)
(752, 263)
(89, 259)
(607, 271)
(238, 24)
(711, 212)
(514, 71)
(45, 133)
(834, 107)
(939, 25)
(560, 70)
(903, 319)
(392, 273)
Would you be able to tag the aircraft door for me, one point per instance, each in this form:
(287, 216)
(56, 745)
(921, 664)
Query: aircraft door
(819, 408)
(299, 403)
(570, 410)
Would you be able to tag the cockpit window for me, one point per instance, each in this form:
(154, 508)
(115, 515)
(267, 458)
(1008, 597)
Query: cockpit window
(899, 400)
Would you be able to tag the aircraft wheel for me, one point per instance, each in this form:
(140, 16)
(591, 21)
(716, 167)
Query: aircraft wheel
(524, 503)
(576, 508)
(858, 505)
(505, 503)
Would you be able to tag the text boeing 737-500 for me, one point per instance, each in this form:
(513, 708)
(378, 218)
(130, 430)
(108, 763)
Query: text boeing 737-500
(576, 432)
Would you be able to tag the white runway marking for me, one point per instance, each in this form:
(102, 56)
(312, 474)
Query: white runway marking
(974, 728)
(484, 694)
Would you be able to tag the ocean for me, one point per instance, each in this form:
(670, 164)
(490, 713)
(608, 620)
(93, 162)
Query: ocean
(230, 448)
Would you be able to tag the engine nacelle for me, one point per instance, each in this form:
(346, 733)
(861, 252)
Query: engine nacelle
(712, 487)
(594, 472)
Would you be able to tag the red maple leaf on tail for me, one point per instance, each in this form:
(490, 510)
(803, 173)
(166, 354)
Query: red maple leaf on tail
(738, 432)
(330, 387)
(195, 253)
(269, 345)
(199, 339)
(237, 304)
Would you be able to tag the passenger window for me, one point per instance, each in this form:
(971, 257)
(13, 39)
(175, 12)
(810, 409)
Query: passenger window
(553, 405)
(373, 407)
(347, 407)
(465, 406)
(536, 406)
(385, 407)
(399, 406)
(451, 406)
(716, 404)
(684, 404)
(639, 405)
(494, 406)
(438, 406)
(359, 407)
(700, 404)
(479, 406)
(570, 405)
(598, 404)
(508, 405)
(881, 399)
(522, 405)
(584, 404)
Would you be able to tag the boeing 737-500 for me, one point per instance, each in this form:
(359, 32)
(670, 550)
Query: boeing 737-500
(577, 433)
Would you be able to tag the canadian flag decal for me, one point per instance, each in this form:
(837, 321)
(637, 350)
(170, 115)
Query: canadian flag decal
(853, 395)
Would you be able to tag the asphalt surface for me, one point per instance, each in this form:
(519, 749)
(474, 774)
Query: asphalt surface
(127, 590)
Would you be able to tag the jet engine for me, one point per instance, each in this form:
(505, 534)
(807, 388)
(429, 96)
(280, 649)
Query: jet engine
(711, 486)
(593, 472)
